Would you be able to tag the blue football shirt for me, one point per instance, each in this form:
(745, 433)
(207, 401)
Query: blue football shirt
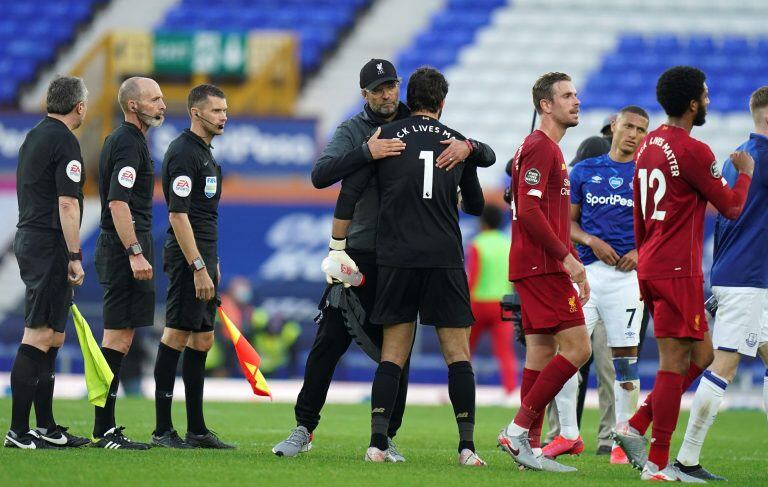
(603, 188)
(740, 244)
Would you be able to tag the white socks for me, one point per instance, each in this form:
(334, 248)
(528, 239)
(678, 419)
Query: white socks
(566, 408)
(625, 400)
(765, 392)
(514, 430)
(706, 402)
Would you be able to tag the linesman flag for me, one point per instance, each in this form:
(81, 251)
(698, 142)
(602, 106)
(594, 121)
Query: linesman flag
(248, 358)
(98, 375)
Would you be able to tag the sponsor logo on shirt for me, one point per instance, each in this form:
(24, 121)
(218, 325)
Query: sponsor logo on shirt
(532, 176)
(210, 187)
(182, 186)
(611, 199)
(74, 171)
(127, 177)
(615, 182)
(566, 189)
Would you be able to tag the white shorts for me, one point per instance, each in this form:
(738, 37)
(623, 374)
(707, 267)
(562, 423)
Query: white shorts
(614, 300)
(741, 321)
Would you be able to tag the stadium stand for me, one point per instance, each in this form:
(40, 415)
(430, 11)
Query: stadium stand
(320, 24)
(31, 34)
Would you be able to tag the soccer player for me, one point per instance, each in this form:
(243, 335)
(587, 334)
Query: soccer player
(543, 265)
(352, 147)
(739, 281)
(192, 189)
(49, 182)
(420, 258)
(601, 223)
(487, 271)
(124, 249)
(675, 176)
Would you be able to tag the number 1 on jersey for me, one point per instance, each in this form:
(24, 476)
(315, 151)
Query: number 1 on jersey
(429, 169)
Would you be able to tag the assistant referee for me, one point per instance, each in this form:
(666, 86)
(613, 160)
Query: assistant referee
(49, 186)
(124, 247)
(192, 189)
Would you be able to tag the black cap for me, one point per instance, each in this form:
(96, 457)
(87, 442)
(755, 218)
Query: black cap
(376, 72)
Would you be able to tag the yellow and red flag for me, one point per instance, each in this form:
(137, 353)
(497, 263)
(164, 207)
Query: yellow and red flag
(248, 358)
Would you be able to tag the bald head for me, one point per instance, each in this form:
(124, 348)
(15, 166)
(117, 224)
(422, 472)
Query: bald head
(142, 96)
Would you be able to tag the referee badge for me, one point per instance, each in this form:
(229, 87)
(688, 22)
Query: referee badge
(210, 187)
(532, 176)
(127, 177)
(182, 186)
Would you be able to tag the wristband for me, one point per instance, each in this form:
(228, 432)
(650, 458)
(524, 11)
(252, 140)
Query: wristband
(337, 244)
(76, 255)
(469, 144)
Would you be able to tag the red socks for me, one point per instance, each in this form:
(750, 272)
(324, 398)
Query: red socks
(644, 415)
(666, 407)
(543, 391)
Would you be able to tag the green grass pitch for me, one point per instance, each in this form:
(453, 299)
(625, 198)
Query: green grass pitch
(736, 448)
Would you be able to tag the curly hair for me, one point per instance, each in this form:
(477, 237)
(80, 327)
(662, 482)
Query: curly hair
(677, 87)
(427, 88)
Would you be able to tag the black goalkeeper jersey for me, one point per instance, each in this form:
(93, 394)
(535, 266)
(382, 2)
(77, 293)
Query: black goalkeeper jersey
(418, 207)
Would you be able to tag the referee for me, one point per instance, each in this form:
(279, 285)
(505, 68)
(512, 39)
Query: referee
(351, 148)
(124, 247)
(192, 189)
(49, 182)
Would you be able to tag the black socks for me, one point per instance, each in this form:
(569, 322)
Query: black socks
(24, 378)
(383, 396)
(461, 390)
(193, 373)
(44, 393)
(105, 417)
(165, 377)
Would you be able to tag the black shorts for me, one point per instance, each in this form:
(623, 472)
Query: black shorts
(183, 311)
(43, 261)
(128, 303)
(440, 297)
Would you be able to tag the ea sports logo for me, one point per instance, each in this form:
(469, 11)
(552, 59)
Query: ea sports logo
(74, 171)
(182, 186)
(127, 177)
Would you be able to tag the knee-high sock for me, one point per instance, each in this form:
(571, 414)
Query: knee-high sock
(104, 418)
(644, 414)
(383, 397)
(534, 434)
(666, 409)
(24, 376)
(625, 399)
(165, 376)
(461, 390)
(44, 392)
(706, 402)
(765, 392)
(548, 384)
(396, 419)
(566, 408)
(193, 373)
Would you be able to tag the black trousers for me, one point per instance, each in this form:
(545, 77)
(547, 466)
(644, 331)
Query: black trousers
(331, 342)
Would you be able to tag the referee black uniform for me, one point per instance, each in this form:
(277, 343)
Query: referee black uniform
(50, 166)
(126, 173)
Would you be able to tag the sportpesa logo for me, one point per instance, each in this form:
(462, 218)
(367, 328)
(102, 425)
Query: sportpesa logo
(612, 199)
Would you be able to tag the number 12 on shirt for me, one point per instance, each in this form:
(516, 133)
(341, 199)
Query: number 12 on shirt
(429, 168)
(658, 181)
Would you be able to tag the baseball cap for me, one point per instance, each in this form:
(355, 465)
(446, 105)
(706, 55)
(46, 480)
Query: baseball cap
(376, 72)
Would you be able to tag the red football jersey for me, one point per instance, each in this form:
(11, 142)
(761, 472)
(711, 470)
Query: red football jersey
(541, 201)
(675, 176)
